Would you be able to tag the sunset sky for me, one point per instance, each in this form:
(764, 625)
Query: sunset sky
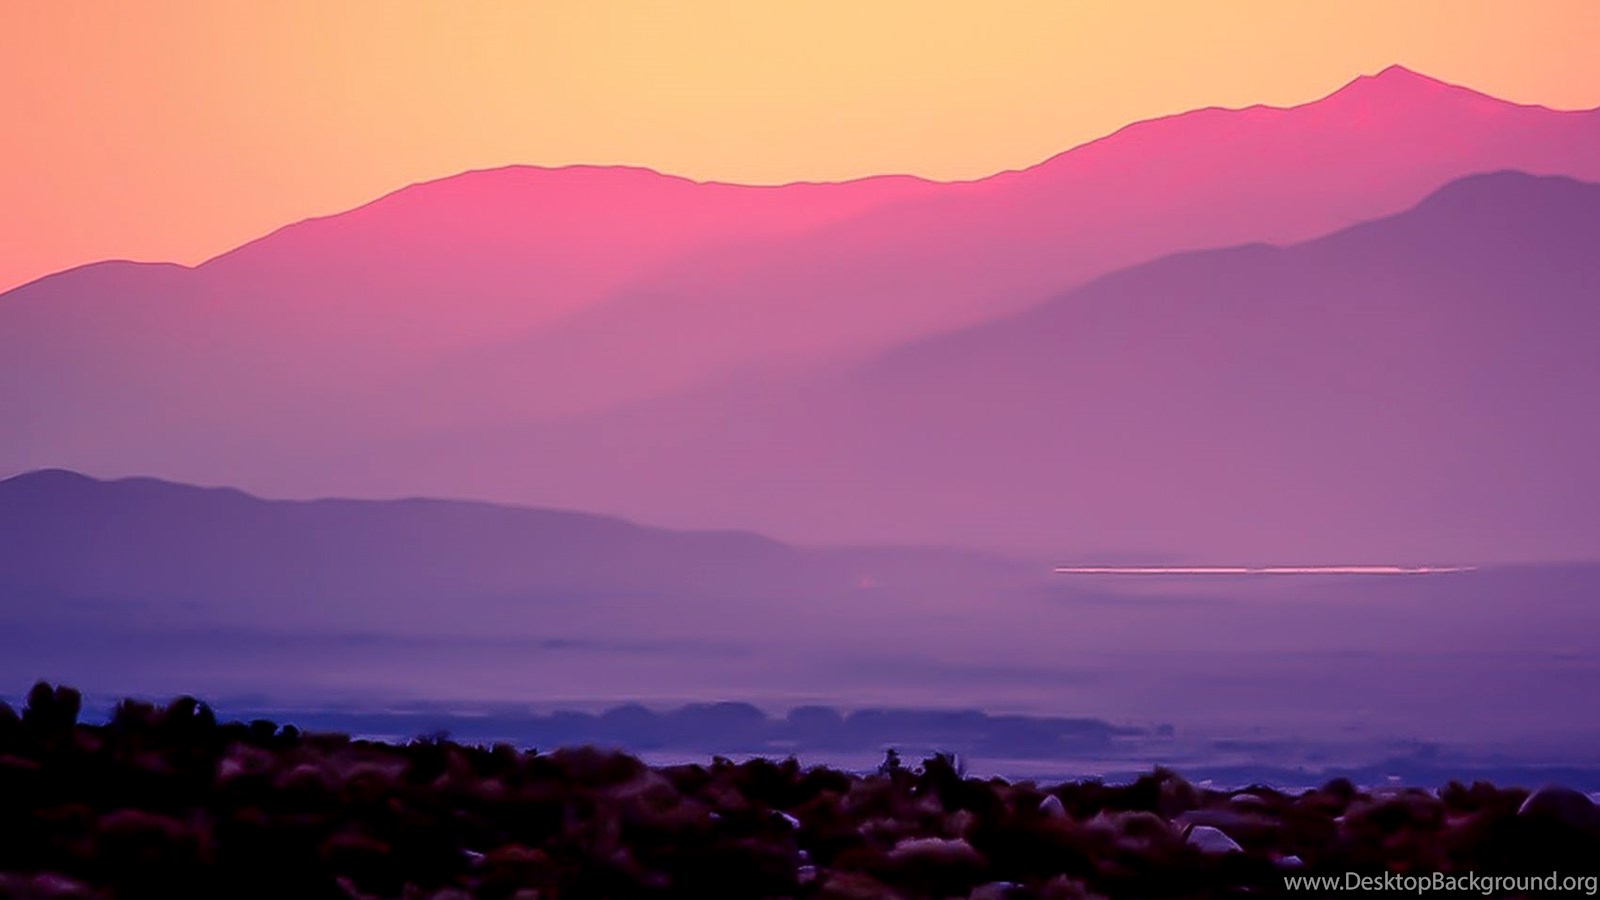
(173, 131)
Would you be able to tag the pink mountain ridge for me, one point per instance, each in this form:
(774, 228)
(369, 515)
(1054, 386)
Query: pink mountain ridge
(719, 355)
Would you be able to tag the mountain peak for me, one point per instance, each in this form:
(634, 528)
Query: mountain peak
(1398, 76)
(1398, 84)
(1398, 73)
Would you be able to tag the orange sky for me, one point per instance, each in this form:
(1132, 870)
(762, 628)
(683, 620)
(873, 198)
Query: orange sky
(167, 130)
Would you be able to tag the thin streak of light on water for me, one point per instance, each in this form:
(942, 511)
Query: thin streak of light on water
(1260, 570)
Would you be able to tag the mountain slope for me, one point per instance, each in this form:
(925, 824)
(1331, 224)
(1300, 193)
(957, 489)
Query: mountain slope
(146, 586)
(1411, 389)
(968, 252)
(494, 298)
(301, 327)
(163, 553)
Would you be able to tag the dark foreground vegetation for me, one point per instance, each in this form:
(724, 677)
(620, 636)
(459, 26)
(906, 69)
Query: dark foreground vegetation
(169, 802)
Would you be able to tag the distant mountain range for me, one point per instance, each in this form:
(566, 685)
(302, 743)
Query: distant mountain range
(870, 360)
(141, 584)
(1413, 388)
(168, 555)
(472, 610)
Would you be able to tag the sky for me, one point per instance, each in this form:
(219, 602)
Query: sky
(176, 130)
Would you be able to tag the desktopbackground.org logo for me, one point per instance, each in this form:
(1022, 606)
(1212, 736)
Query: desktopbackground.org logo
(1470, 882)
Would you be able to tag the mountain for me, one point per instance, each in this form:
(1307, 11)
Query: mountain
(171, 554)
(971, 251)
(477, 611)
(302, 326)
(496, 298)
(1412, 389)
(141, 584)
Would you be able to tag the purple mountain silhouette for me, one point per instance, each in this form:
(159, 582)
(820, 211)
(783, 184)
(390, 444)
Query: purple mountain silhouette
(1410, 389)
(173, 555)
(147, 586)
(968, 252)
(494, 298)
